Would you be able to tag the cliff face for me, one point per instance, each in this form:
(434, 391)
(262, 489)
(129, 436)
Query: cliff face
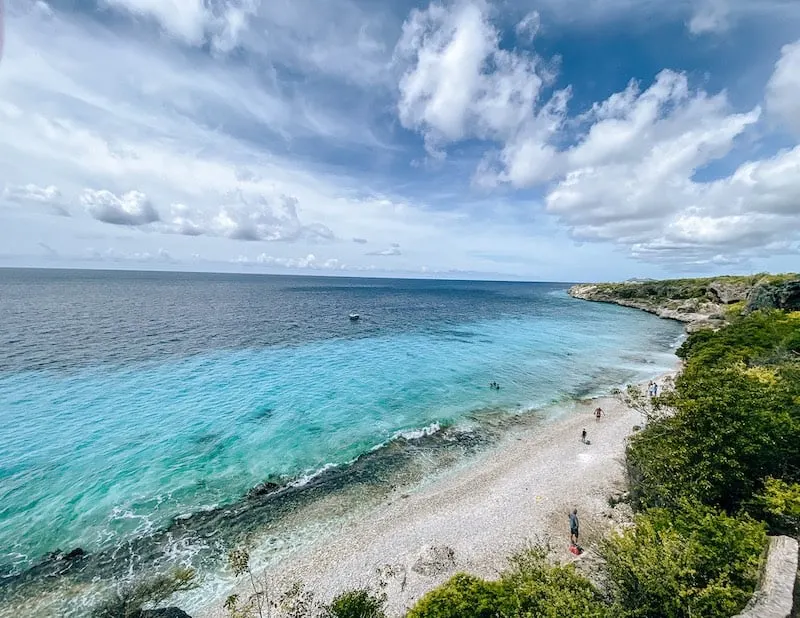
(700, 303)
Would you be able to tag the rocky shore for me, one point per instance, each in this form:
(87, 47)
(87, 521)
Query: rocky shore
(699, 303)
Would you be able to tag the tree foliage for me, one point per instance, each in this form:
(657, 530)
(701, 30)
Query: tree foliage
(736, 419)
(683, 563)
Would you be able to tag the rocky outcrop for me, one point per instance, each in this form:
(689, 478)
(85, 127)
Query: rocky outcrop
(700, 303)
(773, 599)
(784, 295)
(695, 312)
(726, 293)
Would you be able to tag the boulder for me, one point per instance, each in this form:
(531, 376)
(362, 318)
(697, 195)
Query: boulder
(434, 560)
(784, 295)
(262, 489)
(727, 293)
(75, 554)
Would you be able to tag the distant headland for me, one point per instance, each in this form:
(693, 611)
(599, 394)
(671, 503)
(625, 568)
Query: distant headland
(700, 303)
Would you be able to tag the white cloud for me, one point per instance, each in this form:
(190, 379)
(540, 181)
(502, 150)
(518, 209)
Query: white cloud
(262, 219)
(50, 197)
(528, 26)
(31, 193)
(131, 208)
(186, 19)
(457, 82)
(710, 16)
(248, 217)
(393, 250)
(308, 262)
(783, 89)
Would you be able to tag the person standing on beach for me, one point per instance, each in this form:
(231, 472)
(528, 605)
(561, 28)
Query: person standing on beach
(598, 413)
(583, 435)
(573, 527)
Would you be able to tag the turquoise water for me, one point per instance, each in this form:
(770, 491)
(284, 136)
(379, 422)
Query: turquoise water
(99, 454)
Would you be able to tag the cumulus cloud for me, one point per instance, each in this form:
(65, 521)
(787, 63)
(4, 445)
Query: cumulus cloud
(248, 217)
(783, 89)
(132, 208)
(631, 180)
(457, 83)
(628, 176)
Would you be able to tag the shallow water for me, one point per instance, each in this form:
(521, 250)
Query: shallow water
(134, 403)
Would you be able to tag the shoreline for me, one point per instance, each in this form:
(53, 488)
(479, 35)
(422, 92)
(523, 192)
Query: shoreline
(482, 510)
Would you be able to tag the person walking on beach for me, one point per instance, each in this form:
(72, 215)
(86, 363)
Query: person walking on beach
(583, 435)
(573, 527)
(598, 413)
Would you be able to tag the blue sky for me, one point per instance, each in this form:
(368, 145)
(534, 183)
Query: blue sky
(536, 139)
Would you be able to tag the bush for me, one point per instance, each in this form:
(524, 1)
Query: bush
(736, 418)
(693, 562)
(780, 503)
(531, 587)
(360, 603)
(462, 596)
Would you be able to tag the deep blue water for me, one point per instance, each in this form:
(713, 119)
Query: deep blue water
(129, 399)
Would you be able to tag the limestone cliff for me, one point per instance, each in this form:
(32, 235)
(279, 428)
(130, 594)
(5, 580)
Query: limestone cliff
(700, 303)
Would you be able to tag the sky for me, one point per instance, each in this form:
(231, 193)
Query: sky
(569, 140)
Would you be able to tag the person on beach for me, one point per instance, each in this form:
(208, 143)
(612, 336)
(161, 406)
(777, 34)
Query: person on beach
(655, 389)
(598, 413)
(573, 527)
(583, 435)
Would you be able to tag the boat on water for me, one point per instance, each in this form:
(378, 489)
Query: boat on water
(354, 316)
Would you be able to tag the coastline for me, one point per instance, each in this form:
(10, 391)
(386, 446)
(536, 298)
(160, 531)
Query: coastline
(515, 493)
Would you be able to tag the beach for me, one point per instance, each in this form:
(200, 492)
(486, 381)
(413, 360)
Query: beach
(473, 517)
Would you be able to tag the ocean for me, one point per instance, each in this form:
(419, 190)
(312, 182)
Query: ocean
(141, 409)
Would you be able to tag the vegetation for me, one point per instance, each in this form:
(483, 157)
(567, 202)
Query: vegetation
(360, 603)
(690, 562)
(531, 587)
(685, 289)
(129, 599)
(296, 602)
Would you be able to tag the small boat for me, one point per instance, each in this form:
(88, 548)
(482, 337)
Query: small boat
(354, 317)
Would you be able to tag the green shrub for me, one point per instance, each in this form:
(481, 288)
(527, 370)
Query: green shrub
(780, 502)
(531, 587)
(361, 603)
(693, 562)
(735, 421)
(462, 596)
